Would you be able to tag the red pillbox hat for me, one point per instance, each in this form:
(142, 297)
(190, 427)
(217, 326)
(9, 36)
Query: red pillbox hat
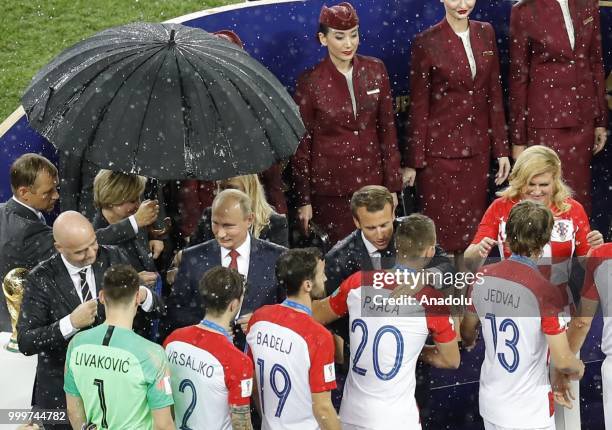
(343, 16)
(230, 36)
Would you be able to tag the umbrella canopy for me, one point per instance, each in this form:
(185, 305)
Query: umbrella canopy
(165, 101)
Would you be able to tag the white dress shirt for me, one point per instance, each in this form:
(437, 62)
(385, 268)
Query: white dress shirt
(65, 324)
(467, 45)
(569, 25)
(349, 81)
(374, 253)
(243, 259)
(38, 213)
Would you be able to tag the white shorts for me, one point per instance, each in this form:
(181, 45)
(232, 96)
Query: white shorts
(606, 382)
(491, 426)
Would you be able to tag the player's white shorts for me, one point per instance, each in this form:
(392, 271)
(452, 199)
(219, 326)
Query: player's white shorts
(354, 427)
(490, 426)
(606, 382)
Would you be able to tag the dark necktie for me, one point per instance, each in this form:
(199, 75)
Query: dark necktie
(85, 293)
(234, 259)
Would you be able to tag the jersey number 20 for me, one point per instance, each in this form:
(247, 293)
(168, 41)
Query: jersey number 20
(359, 323)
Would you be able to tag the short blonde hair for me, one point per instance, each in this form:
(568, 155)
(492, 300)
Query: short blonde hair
(237, 196)
(114, 188)
(533, 161)
(414, 234)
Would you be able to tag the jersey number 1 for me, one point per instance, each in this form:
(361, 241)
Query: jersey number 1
(100, 384)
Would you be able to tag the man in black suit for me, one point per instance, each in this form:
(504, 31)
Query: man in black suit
(371, 246)
(25, 237)
(60, 299)
(232, 247)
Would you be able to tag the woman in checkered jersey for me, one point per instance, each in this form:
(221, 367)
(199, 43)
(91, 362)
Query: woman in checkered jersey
(537, 176)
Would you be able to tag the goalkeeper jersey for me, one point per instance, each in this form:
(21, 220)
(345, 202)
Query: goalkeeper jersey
(119, 375)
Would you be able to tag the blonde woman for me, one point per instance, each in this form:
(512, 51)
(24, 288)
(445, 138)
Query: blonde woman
(537, 176)
(117, 197)
(268, 225)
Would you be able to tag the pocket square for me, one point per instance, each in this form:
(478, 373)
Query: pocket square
(586, 21)
(374, 91)
(488, 53)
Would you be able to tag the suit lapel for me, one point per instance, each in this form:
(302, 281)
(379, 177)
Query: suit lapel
(64, 283)
(478, 48)
(21, 210)
(556, 31)
(456, 55)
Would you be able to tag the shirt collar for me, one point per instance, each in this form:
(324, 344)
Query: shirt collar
(369, 246)
(73, 270)
(243, 250)
(36, 212)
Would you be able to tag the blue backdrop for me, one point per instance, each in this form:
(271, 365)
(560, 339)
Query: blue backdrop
(282, 36)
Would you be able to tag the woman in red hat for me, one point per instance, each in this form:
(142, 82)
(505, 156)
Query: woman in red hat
(457, 122)
(557, 85)
(346, 105)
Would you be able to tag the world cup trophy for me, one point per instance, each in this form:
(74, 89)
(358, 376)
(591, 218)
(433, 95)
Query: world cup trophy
(13, 287)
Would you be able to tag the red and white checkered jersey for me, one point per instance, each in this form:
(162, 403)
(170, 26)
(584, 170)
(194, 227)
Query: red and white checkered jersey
(568, 237)
(517, 307)
(597, 286)
(294, 357)
(385, 346)
(208, 373)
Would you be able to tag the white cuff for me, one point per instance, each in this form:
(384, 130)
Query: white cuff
(66, 327)
(147, 305)
(132, 219)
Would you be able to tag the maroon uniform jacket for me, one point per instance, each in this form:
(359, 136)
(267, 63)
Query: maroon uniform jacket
(451, 114)
(551, 85)
(341, 153)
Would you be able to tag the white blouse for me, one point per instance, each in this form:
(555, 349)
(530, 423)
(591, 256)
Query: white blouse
(569, 25)
(465, 38)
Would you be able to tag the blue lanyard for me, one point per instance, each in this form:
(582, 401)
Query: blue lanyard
(297, 306)
(525, 260)
(404, 268)
(216, 327)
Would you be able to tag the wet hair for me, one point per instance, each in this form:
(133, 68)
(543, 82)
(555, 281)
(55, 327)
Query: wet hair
(120, 284)
(373, 197)
(323, 29)
(114, 188)
(414, 234)
(252, 188)
(26, 168)
(533, 161)
(236, 195)
(528, 228)
(295, 266)
(218, 287)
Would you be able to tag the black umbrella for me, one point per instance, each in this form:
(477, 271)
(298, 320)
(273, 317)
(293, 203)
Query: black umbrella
(165, 101)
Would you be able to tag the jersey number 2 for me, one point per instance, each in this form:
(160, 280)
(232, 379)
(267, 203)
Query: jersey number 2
(194, 398)
(503, 327)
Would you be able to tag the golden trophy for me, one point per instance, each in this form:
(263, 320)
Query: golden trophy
(13, 287)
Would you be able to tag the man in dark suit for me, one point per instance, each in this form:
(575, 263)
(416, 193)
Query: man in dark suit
(60, 299)
(232, 247)
(25, 237)
(371, 246)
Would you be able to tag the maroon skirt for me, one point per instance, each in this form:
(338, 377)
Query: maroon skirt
(575, 148)
(453, 193)
(333, 214)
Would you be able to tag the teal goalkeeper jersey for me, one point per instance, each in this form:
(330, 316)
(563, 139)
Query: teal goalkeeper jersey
(119, 375)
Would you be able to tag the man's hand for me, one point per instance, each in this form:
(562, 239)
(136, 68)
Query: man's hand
(147, 213)
(601, 135)
(594, 238)
(244, 321)
(408, 176)
(147, 278)
(517, 150)
(503, 171)
(305, 215)
(84, 314)
(156, 247)
(561, 388)
(485, 246)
